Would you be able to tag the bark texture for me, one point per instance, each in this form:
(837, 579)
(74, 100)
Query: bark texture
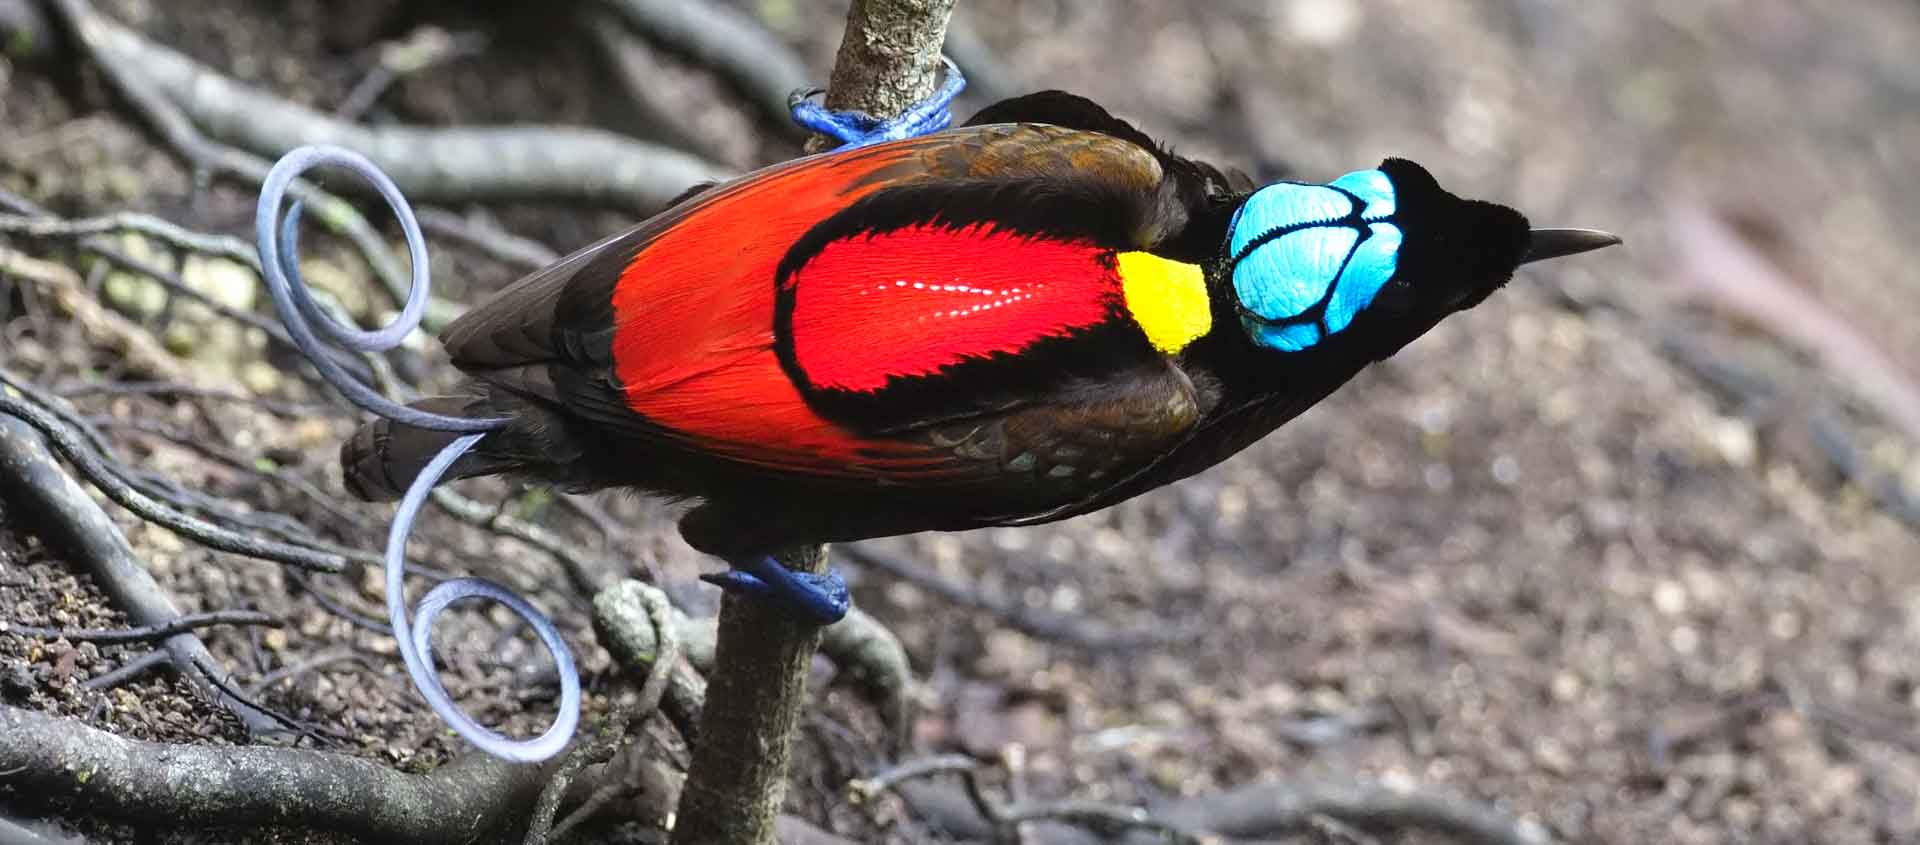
(738, 779)
(889, 59)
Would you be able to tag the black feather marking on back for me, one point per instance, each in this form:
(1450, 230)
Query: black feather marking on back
(1087, 210)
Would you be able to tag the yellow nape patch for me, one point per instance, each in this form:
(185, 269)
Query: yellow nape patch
(1167, 298)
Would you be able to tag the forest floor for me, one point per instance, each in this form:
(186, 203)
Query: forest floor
(1613, 552)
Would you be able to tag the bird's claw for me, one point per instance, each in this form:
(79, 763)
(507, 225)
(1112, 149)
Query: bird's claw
(855, 129)
(801, 95)
(818, 598)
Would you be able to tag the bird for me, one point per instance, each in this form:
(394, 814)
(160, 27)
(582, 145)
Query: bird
(1032, 316)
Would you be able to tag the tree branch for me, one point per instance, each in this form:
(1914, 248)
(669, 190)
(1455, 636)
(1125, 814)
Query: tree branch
(888, 60)
(738, 779)
(889, 57)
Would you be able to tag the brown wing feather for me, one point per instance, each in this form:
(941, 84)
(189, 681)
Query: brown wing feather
(1075, 447)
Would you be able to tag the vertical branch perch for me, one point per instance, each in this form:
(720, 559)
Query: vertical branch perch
(739, 774)
(889, 59)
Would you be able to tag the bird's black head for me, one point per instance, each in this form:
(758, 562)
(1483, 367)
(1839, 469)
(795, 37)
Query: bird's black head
(1386, 247)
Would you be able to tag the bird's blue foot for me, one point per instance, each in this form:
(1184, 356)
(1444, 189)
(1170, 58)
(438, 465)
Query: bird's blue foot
(820, 599)
(855, 129)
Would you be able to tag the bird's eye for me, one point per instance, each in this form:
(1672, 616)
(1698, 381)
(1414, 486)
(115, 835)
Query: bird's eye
(1395, 297)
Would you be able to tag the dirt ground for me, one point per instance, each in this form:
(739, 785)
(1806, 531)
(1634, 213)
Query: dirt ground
(1550, 556)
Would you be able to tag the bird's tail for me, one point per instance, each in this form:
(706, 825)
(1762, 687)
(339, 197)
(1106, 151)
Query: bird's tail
(382, 458)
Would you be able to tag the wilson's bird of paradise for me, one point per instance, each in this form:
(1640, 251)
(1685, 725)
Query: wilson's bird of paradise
(1030, 317)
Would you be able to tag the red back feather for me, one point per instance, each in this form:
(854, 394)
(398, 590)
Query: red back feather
(912, 301)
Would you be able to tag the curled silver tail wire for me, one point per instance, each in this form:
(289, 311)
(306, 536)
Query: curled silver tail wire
(302, 315)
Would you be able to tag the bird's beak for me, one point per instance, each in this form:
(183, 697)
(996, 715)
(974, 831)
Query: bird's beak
(1554, 243)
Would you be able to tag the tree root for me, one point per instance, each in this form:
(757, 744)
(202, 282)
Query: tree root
(60, 760)
(624, 623)
(1269, 808)
(859, 644)
(1262, 810)
(435, 165)
(869, 651)
(622, 716)
(98, 35)
(736, 47)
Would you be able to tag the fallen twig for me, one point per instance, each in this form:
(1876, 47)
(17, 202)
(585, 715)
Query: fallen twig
(65, 517)
(128, 671)
(640, 105)
(34, 223)
(101, 476)
(1101, 817)
(109, 330)
(109, 251)
(870, 787)
(1002, 820)
(424, 48)
(38, 226)
(314, 663)
(1050, 627)
(1733, 274)
(1261, 810)
(334, 607)
(241, 463)
(147, 633)
(585, 569)
(223, 681)
(173, 501)
(503, 246)
(1827, 424)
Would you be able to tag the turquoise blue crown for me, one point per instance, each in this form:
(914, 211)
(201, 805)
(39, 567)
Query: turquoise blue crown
(1307, 258)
